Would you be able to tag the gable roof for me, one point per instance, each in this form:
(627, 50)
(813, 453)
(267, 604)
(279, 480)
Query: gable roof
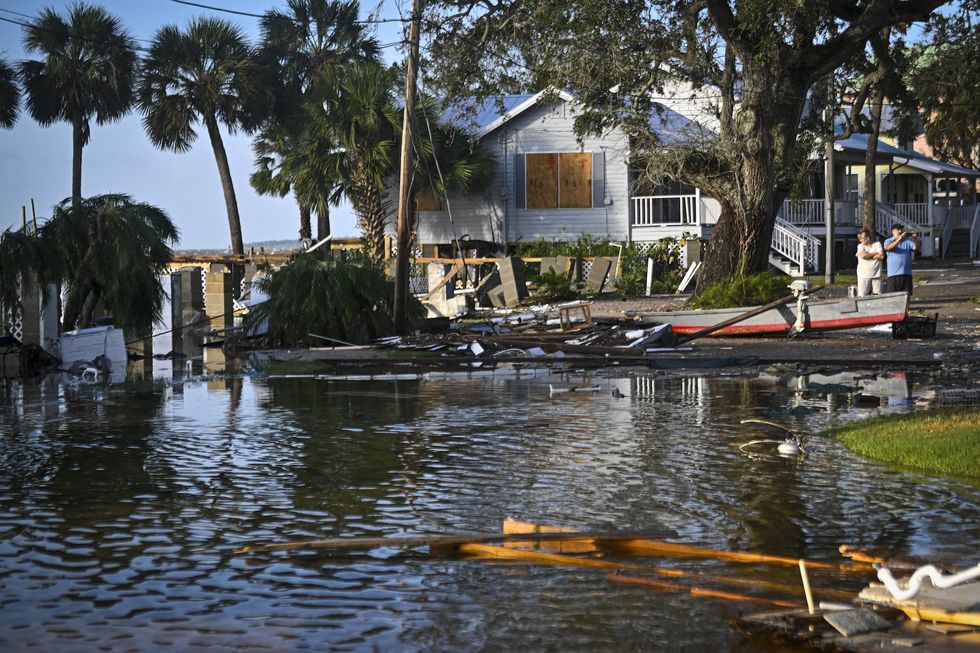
(491, 112)
(488, 114)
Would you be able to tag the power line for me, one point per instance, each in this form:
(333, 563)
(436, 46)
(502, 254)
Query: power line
(369, 21)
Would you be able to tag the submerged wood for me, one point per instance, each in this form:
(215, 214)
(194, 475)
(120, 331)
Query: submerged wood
(342, 543)
(616, 577)
(509, 553)
(648, 546)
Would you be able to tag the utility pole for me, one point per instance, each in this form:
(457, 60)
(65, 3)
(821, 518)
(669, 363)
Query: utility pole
(402, 260)
(828, 185)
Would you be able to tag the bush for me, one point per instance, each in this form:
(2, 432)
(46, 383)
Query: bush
(349, 300)
(554, 287)
(750, 290)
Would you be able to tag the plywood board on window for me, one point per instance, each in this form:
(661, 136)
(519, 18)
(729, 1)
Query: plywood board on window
(427, 200)
(542, 181)
(575, 185)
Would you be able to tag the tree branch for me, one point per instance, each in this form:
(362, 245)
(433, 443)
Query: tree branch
(823, 59)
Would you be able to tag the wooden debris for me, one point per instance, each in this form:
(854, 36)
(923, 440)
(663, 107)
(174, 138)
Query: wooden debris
(344, 543)
(696, 591)
(801, 628)
(855, 622)
(656, 547)
(956, 605)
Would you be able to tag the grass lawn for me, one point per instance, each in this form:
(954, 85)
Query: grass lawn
(945, 441)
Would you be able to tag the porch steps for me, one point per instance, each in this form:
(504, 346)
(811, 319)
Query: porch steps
(959, 244)
(780, 262)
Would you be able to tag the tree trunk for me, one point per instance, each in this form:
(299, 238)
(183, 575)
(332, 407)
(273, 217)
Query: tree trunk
(231, 204)
(305, 230)
(323, 223)
(77, 143)
(870, 170)
(764, 167)
(371, 209)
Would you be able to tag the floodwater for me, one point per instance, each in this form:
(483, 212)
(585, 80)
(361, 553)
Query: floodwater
(120, 507)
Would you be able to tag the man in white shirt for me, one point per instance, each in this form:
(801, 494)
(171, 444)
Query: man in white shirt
(869, 256)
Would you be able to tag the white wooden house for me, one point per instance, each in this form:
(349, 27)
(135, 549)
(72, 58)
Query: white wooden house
(551, 185)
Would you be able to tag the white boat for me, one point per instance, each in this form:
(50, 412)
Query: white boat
(818, 315)
(85, 345)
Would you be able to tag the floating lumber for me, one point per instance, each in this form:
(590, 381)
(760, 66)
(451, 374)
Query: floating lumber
(509, 553)
(616, 577)
(345, 543)
(643, 546)
(955, 605)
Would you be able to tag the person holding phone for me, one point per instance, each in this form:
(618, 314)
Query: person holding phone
(899, 249)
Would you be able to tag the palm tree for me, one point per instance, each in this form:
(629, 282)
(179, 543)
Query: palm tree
(357, 116)
(112, 250)
(9, 95)
(290, 159)
(206, 73)
(301, 47)
(87, 70)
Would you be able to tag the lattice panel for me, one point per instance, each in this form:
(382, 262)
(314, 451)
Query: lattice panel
(13, 318)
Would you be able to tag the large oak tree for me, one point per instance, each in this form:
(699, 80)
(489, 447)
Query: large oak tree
(757, 59)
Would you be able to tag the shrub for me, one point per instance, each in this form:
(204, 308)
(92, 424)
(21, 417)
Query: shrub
(554, 287)
(750, 290)
(348, 299)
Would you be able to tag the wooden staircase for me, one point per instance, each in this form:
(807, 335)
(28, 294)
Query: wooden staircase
(959, 244)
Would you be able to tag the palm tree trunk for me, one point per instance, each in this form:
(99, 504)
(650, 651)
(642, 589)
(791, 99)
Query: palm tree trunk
(77, 143)
(221, 158)
(371, 209)
(305, 229)
(323, 222)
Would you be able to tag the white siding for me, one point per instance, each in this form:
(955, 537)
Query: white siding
(493, 215)
(550, 129)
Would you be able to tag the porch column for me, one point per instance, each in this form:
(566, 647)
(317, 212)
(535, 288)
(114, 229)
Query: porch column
(929, 214)
(697, 206)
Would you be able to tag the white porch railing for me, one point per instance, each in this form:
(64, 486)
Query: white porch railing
(796, 245)
(802, 211)
(886, 217)
(917, 213)
(654, 210)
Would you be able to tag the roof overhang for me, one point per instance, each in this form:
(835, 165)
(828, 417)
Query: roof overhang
(521, 108)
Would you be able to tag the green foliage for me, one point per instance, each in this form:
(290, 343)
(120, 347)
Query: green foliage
(554, 287)
(746, 290)
(106, 250)
(206, 74)
(113, 251)
(302, 47)
(9, 95)
(946, 441)
(349, 299)
(87, 67)
(950, 108)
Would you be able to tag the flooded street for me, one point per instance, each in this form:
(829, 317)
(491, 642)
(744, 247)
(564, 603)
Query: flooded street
(120, 507)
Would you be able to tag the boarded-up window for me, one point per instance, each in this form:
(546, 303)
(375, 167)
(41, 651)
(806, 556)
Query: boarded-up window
(559, 180)
(575, 172)
(542, 181)
(427, 200)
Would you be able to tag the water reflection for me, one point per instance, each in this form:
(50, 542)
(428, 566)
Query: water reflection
(120, 505)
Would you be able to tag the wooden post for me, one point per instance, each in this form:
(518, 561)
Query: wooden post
(808, 593)
(402, 264)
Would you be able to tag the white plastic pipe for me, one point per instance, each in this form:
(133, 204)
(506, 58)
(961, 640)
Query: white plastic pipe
(914, 583)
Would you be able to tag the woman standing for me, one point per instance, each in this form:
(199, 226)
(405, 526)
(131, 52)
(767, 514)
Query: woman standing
(869, 256)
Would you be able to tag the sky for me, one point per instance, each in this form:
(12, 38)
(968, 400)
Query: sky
(35, 162)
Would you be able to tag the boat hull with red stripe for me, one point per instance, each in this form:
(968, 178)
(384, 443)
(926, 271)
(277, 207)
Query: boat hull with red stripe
(820, 315)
